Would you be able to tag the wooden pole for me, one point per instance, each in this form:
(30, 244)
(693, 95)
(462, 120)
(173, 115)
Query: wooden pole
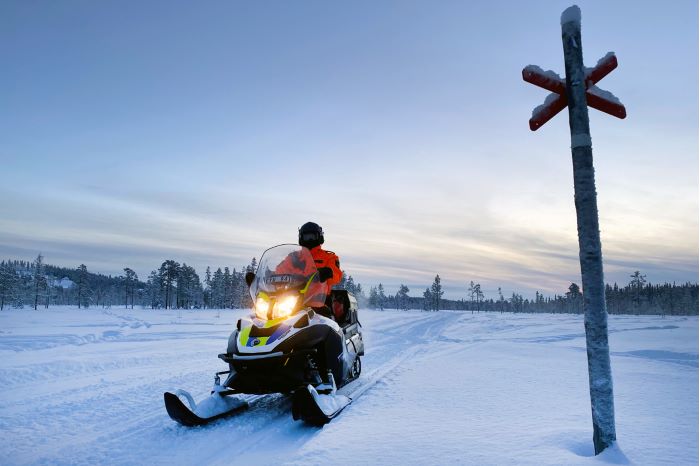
(590, 255)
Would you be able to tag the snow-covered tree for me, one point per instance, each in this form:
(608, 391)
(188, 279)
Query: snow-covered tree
(243, 300)
(402, 297)
(373, 298)
(427, 300)
(350, 284)
(343, 281)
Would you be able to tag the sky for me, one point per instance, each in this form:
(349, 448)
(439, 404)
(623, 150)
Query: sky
(206, 132)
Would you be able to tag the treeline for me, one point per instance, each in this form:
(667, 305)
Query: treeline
(175, 285)
(172, 285)
(637, 297)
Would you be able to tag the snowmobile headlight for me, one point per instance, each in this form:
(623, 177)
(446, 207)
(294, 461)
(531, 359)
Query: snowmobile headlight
(284, 307)
(261, 308)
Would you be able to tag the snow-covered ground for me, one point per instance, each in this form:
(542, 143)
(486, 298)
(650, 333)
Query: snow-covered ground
(85, 387)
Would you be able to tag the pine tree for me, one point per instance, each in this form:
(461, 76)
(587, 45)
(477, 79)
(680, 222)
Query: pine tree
(228, 289)
(217, 289)
(637, 285)
(402, 297)
(574, 299)
(350, 285)
(243, 300)
(381, 297)
(168, 273)
(436, 293)
(253, 265)
(516, 302)
(471, 293)
(479, 296)
(153, 288)
(373, 297)
(427, 299)
(8, 284)
(207, 288)
(82, 285)
(130, 281)
(38, 278)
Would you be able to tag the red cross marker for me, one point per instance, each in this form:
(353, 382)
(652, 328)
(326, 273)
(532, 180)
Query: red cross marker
(556, 102)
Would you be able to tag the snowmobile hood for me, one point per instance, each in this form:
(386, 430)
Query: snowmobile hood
(262, 336)
(265, 332)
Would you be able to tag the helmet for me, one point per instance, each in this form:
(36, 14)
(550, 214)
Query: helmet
(310, 235)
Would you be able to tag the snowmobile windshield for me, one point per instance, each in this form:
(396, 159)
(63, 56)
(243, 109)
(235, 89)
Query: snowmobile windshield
(286, 273)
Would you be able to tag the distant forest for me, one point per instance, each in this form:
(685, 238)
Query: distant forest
(178, 286)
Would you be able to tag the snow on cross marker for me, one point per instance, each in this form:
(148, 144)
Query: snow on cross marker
(594, 97)
(578, 92)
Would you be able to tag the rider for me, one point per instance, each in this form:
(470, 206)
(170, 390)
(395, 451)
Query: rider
(327, 262)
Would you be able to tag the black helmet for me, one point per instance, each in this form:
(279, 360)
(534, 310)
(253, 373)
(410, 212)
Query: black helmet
(310, 235)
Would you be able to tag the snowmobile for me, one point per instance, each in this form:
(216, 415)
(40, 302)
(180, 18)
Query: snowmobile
(300, 341)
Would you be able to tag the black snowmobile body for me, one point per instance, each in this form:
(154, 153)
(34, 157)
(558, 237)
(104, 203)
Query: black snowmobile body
(283, 356)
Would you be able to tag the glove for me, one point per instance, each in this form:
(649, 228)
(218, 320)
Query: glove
(324, 273)
(249, 277)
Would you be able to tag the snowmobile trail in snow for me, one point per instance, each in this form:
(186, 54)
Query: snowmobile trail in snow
(114, 389)
(312, 407)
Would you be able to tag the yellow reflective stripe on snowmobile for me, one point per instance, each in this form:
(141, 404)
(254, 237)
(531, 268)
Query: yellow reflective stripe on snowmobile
(308, 284)
(243, 336)
(263, 295)
(262, 341)
(273, 322)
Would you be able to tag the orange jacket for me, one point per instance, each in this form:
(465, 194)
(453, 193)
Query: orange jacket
(328, 259)
(294, 263)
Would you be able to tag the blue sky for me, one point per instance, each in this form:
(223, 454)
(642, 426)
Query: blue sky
(206, 132)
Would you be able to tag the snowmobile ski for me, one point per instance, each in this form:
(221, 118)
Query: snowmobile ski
(315, 408)
(213, 408)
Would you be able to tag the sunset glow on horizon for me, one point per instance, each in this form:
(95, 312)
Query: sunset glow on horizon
(206, 134)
